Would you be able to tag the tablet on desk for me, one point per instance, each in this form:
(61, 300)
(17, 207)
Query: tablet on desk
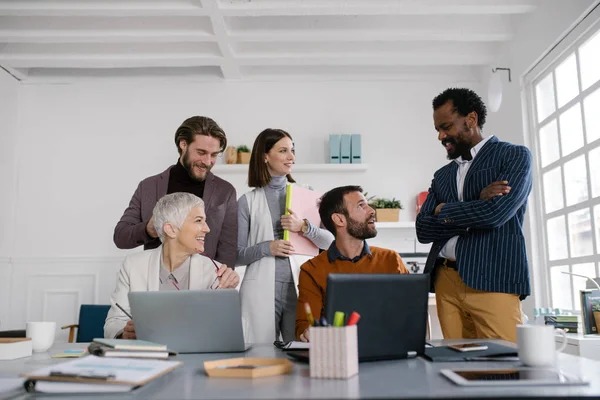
(510, 377)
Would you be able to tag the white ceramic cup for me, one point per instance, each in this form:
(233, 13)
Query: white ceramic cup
(537, 345)
(41, 334)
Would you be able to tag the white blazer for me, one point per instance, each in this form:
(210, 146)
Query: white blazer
(140, 273)
(257, 291)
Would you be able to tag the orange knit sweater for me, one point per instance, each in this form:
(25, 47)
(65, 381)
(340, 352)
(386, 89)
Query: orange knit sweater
(312, 283)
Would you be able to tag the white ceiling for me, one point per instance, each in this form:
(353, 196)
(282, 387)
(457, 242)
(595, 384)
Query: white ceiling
(54, 40)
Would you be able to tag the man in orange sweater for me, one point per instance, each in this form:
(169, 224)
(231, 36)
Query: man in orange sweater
(344, 212)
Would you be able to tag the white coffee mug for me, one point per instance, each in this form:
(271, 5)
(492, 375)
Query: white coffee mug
(537, 344)
(41, 334)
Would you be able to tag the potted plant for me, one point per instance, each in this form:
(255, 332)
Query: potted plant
(596, 312)
(243, 155)
(386, 210)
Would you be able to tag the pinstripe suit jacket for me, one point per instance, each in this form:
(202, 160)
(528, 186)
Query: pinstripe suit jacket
(490, 251)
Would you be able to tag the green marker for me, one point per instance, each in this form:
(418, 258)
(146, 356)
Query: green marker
(338, 318)
(288, 205)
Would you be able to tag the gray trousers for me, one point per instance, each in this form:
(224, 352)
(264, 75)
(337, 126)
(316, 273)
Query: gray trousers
(285, 311)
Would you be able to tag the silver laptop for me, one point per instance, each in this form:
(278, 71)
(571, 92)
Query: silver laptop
(190, 321)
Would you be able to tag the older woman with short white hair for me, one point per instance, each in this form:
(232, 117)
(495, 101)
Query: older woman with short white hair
(178, 264)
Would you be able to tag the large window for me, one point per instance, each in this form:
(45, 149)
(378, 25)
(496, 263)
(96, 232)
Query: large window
(566, 127)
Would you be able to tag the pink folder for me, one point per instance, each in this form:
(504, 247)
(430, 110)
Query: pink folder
(305, 203)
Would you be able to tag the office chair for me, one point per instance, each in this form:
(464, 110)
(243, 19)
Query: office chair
(91, 323)
(19, 333)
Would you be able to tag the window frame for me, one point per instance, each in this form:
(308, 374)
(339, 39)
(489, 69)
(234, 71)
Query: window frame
(541, 265)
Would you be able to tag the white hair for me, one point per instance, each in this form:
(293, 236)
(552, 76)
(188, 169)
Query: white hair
(174, 209)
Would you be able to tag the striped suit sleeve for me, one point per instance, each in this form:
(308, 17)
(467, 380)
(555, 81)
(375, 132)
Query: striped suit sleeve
(489, 214)
(429, 227)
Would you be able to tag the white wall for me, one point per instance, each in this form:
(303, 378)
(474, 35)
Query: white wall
(9, 92)
(535, 35)
(84, 147)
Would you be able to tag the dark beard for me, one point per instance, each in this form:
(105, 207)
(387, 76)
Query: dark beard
(360, 230)
(461, 148)
(187, 164)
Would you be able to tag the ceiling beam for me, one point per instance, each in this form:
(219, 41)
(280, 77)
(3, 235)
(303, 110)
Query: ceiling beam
(104, 29)
(98, 8)
(357, 59)
(229, 67)
(374, 7)
(264, 8)
(370, 36)
(172, 36)
(107, 61)
(371, 28)
(69, 75)
(102, 36)
(15, 73)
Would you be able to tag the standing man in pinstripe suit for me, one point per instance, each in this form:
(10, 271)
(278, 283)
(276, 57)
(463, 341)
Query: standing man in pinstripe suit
(474, 216)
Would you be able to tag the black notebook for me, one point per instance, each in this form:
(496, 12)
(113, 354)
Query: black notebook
(494, 351)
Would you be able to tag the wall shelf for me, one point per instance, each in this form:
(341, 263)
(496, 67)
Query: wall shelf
(297, 168)
(395, 225)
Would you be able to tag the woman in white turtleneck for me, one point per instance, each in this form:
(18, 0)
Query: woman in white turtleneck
(268, 290)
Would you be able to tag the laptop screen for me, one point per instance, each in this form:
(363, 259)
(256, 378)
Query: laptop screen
(392, 308)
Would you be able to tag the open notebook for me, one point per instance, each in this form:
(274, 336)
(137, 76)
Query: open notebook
(93, 374)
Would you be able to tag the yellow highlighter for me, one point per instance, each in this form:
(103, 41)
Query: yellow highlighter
(338, 318)
(309, 315)
(288, 205)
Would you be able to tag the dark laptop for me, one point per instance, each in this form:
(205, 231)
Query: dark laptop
(392, 308)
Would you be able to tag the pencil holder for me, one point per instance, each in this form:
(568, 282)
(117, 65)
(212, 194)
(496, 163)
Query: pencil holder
(333, 352)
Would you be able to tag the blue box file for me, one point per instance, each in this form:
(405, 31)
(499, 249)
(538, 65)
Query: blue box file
(355, 152)
(334, 149)
(345, 149)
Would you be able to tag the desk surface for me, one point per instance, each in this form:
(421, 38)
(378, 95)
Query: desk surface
(402, 379)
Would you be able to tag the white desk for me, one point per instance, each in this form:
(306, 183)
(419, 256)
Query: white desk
(402, 379)
(587, 346)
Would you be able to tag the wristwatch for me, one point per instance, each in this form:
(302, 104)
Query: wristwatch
(305, 226)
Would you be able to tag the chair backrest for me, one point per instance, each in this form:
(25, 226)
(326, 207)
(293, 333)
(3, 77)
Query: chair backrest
(91, 322)
(20, 333)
